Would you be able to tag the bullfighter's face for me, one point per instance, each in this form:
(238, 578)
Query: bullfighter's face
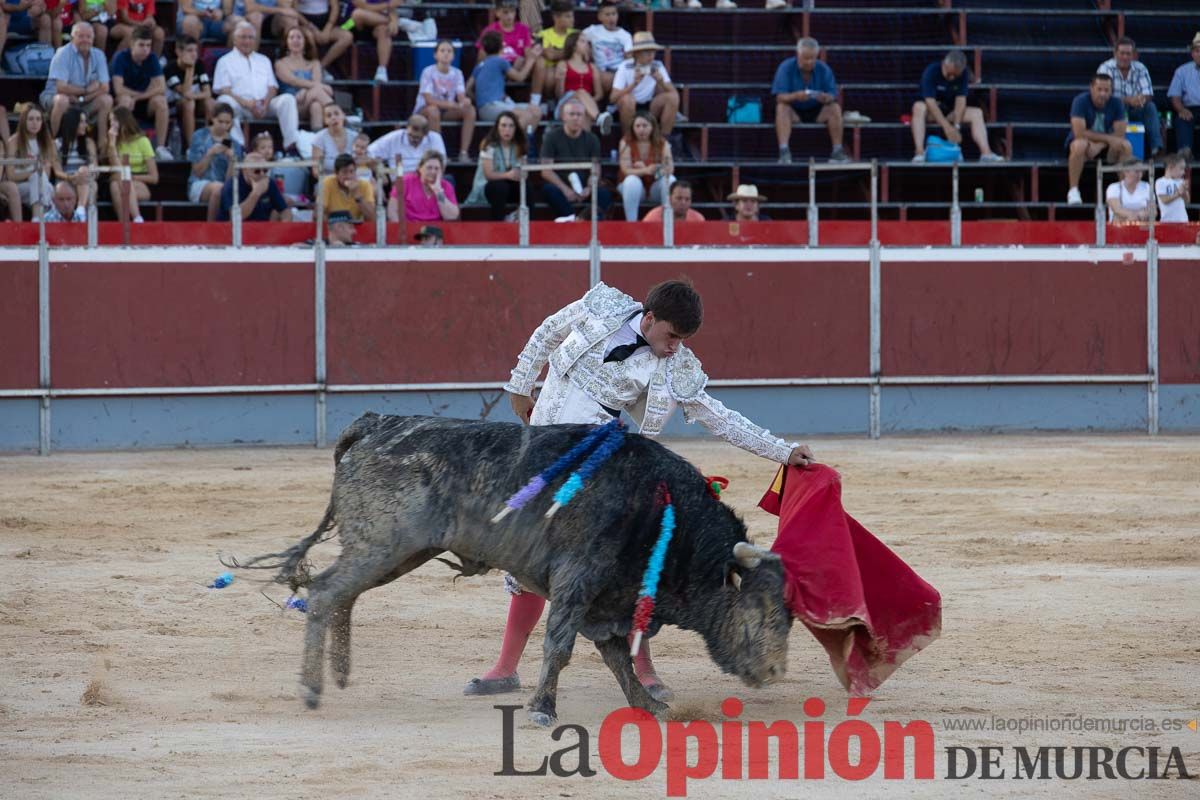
(661, 335)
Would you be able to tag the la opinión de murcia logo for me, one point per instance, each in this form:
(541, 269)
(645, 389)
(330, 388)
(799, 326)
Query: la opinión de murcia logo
(734, 750)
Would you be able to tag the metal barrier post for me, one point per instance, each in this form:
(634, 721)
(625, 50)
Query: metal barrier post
(523, 209)
(235, 212)
(668, 217)
(235, 209)
(44, 342)
(874, 201)
(955, 209)
(1152, 334)
(1101, 231)
(594, 241)
(319, 317)
(93, 220)
(813, 239)
(876, 293)
(380, 210)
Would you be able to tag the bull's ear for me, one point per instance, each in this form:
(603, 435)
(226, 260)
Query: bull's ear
(750, 556)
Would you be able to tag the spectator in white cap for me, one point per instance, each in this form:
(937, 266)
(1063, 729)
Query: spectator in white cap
(642, 84)
(245, 81)
(746, 204)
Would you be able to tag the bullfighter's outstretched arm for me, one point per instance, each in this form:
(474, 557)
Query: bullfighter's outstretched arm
(548, 336)
(725, 423)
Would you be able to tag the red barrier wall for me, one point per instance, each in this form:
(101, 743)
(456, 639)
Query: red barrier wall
(771, 320)
(1013, 318)
(1179, 321)
(18, 325)
(436, 322)
(146, 324)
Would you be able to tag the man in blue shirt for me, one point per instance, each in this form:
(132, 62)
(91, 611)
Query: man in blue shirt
(805, 91)
(258, 196)
(79, 76)
(1184, 94)
(1097, 126)
(943, 100)
(139, 85)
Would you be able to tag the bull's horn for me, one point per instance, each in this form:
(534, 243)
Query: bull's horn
(750, 556)
(736, 579)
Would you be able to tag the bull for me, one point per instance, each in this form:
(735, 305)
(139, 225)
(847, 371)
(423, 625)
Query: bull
(408, 489)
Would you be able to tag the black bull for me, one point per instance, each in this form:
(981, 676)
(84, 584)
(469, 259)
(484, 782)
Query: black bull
(407, 489)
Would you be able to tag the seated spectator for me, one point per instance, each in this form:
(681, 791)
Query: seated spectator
(128, 145)
(442, 94)
(642, 84)
(362, 156)
(609, 43)
(100, 14)
(646, 166)
(681, 206)
(10, 195)
(65, 206)
(577, 77)
(430, 236)
(1173, 190)
(1097, 127)
(488, 81)
(1132, 86)
(341, 229)
(345, 191)
(245, 81)
(188, 86)
(1128, 199)
(333, 140)
(139, 85)
(78, 154)
(426, 196)
(33, 140)
(747, 203)
(552, 40)
(301, 75)
(235, 11)
(382, 20)
(201, 19)
(133, 14)
(515, 37)
(944, 87)
(1184, 94)
(259, 198)
(324, 26)
(403, 149)
(806, 91)
(498, 176)
(563, 189)
(78, 76)
(25, 18)
(212, 154)
(4, 131)
(277, 16)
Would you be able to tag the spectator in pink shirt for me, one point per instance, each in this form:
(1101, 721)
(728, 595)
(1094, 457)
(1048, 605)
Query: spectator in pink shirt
(426, 195)
(516, 36)
(681, 206)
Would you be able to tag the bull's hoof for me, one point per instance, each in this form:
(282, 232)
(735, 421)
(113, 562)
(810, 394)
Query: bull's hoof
(481, 686)
(661, 692)
(312, 698)
(542, 719)
(341, 680)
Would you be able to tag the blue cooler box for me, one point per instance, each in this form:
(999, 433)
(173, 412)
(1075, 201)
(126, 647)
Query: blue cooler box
(1134, 132)
(422, 56)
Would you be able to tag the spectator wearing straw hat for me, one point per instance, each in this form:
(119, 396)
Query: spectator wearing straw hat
(747, 204)
(806, 91)
(1184, 94)
(642, 84)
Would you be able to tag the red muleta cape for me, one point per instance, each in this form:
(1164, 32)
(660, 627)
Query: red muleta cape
(868, 608)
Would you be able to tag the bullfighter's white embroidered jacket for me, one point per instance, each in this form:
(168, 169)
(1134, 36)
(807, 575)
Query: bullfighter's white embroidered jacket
(579, 383)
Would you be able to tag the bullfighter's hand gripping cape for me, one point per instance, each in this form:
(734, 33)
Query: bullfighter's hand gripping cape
(867, 608)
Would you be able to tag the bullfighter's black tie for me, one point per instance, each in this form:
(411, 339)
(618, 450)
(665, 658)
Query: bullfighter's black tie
(624, 351)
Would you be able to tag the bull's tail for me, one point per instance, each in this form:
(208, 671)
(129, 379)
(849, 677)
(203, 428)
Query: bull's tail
(291, 563)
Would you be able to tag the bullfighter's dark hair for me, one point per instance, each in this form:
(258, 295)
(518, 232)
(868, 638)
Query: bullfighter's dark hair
(677, 302)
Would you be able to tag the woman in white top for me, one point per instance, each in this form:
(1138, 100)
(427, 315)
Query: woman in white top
(1129, 198)
(442, 94)
(333, 140)
(1173, 191)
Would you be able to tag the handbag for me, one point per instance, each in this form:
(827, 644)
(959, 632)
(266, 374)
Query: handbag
(743, 110)
(938, 150)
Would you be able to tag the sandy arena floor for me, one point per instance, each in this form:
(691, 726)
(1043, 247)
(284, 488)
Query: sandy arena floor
(1069, 567)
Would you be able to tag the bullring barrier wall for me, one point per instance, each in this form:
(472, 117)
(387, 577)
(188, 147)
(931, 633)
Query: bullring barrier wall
(166, 346)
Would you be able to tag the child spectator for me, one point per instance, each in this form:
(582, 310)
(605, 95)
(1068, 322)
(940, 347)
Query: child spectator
(426, 196)
(362, 156)
(552, 40)
(488, 81)
(132, 14)
(212, 154)
(139, 85)
(498, 176)
(188, 86)
(646, 166)
(299, 73)
(609, 43)
(642, 84)
(127, 142)
(442, 94)
(515, 36)
(576, 76)
(1128, 199)
(333, 140)
(1173, 190)
(344, 191)
(77, 152)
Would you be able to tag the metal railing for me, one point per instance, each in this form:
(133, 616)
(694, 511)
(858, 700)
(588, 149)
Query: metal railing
(593, 168)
